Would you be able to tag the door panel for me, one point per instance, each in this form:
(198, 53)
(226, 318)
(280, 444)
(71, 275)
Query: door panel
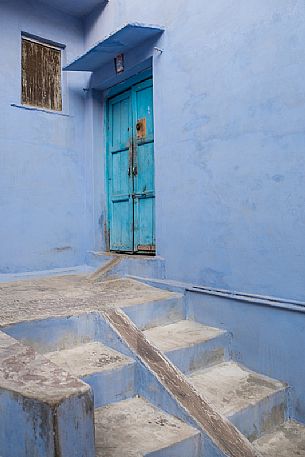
(144, 212)
(120, 181)
(121, 121)
(144, 107)
(144, 189)
(131, 169)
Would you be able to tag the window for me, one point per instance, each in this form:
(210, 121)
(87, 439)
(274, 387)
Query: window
(41, 75)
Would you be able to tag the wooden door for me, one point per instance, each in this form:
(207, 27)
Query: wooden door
(131, 170)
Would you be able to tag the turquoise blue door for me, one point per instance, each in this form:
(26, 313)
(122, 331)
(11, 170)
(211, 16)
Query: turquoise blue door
(131, 170)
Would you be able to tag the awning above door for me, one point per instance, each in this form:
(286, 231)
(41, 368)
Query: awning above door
(124, 39)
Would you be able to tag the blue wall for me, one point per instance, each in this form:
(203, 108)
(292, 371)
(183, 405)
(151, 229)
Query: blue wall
(42, 182)
(229, 143)
(229, 146)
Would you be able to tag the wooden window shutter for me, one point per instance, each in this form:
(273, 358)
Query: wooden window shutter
(41, 75)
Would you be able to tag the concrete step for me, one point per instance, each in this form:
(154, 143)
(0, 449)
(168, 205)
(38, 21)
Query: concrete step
(254, 403)
(158, 312)
(288, 440)
(190, 345)
(44, 411)
(110, 373)
(136, 428)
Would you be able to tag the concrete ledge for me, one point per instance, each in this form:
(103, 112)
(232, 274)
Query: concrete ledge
(183, 287)
(69, 296)
(45, 412)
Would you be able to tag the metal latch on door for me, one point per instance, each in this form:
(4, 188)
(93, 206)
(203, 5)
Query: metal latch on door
(142, 195)
(134, 171)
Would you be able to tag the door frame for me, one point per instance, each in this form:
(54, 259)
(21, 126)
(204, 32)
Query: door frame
(109, 94)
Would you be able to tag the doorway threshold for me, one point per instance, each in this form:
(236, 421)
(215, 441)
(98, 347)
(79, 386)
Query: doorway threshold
(123, 264)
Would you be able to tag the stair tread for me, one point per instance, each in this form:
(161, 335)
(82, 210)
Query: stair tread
(181, 334)
(135, 427)
(88, 358)
(288, 440)
(232, 388)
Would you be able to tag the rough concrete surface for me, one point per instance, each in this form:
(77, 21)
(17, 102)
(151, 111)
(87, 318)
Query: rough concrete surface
(180, 335)
(288, 440)
(24, 371)
(134, 427)
(231, 388)
(69, 295)
(88, 359)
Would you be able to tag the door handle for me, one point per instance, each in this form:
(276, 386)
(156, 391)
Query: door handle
(130, 157)
(135, 170)
(143, 195)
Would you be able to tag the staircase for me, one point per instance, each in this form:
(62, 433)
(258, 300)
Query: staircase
(125, 424)
(132, 422)
(257, 405)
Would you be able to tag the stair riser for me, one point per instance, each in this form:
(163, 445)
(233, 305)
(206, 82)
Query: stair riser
(202, 355)
(60, 333)
(113, 385)
(262, 417)
(190, 447)
(156, 313)
(54, 334)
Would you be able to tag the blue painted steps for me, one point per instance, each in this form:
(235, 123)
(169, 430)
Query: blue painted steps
(110, 374)
(125, 424)
(157, 312)
(190, 345)
(255, 404)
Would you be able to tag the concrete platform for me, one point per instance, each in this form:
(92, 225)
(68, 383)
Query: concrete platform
(190, 345)
(110, 373)
(70, 295)
(135, 428)
(25, 372)
(287, 440)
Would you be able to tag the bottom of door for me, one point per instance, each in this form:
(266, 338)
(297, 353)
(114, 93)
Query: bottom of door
(142, 250)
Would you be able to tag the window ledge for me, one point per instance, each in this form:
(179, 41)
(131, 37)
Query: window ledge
(42, 110)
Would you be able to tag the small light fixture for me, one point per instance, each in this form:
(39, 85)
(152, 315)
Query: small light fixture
(119, 63)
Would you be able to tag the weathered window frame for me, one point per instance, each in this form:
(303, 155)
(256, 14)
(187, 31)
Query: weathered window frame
(41, 74)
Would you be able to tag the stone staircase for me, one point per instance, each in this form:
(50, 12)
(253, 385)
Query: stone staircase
(257, 405)
(132, 418)
(254, 403)
(129, 425)
(125, 423)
